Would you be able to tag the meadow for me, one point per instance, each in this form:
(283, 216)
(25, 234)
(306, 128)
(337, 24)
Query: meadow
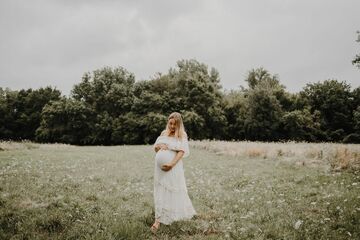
(240, 190)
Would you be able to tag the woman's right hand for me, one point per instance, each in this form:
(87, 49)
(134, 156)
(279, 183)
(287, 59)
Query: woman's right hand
(163, 146)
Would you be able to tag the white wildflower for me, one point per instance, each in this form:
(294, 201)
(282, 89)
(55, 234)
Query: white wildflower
(298, 224)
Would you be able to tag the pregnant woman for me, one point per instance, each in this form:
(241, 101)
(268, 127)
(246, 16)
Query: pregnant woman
(171, 198)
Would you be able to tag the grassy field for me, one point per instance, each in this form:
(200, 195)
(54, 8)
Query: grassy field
(240, 191)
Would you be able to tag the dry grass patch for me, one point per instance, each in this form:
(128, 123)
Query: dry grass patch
(328, 155)
(256, 152)
(18, 145)
(343, 158)
(28, 204)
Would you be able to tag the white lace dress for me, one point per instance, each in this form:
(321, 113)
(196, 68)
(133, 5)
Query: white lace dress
(171, 198)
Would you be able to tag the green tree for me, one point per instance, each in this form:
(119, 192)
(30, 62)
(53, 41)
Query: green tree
(264, 108)
(151, 125)
(7, 113)
(103, 128)
(21, 111)
(106, 90)
(357, 120)
(198, 91)
(194, 124)
(263, 116)
(261, 76)
(155, 96)
(301, 125)
(127, 129)
(235, 111)
(66, 121)
(109, 94)
(333, 100)
(190, 88)
(355, 98)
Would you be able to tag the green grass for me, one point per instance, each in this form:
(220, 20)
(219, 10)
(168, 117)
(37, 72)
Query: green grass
(106, 192)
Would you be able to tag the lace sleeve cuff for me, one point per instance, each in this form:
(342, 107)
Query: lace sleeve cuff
(181, 146)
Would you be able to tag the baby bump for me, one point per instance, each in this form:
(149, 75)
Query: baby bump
(164, 156)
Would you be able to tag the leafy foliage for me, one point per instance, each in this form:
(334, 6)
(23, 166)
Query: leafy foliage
(66, 121)
(333, 100)
(20, 111)
(109, 107)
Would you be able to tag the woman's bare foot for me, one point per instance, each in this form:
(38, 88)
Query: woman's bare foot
(155, 226)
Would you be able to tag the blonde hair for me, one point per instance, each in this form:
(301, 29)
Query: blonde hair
(180, 129)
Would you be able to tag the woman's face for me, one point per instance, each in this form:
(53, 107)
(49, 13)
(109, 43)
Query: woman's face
(172, 125)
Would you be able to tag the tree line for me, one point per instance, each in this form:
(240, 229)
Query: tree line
(109, 107)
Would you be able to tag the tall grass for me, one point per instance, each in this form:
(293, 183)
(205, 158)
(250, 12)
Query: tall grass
(335, 155)
(239, 190)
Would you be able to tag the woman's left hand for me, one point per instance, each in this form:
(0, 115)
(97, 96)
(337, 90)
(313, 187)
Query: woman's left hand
(166, 167)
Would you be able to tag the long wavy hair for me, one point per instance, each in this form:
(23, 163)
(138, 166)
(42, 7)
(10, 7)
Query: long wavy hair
(179, 129)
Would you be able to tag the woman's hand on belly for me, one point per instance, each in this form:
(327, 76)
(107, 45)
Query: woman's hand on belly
(166, 167)
(163, 146)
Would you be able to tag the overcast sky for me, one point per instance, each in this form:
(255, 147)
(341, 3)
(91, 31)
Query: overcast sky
(48, 42)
